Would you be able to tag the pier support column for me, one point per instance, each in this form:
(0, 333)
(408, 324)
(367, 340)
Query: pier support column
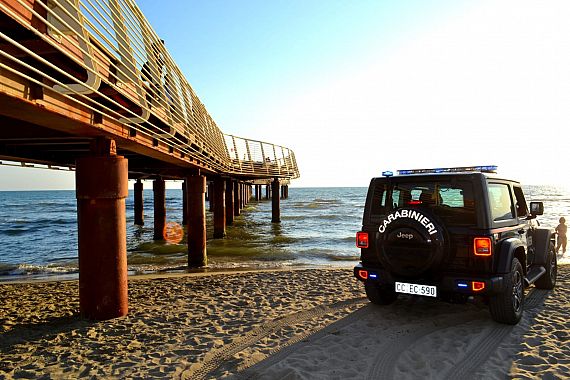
(275, 212)
(237, 207)
(211, 197)
(196, 190)
(229, 202)
(267, 191)
(184, 204)
(101, 189)
(159, 191)
(139, 203)
(219, 208)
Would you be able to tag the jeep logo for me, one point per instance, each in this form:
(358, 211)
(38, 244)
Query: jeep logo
(405, 236)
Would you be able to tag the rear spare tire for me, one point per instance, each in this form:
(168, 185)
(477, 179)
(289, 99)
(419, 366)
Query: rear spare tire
(410, 241)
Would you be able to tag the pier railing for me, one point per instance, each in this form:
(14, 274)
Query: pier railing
(104, 57)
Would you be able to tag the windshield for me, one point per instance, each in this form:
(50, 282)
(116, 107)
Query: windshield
(452, 202)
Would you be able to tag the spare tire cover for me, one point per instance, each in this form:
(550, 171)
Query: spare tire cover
(410, 241)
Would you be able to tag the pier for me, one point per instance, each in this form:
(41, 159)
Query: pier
(90, 87)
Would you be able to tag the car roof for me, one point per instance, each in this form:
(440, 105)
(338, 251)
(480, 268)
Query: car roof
(432, 176)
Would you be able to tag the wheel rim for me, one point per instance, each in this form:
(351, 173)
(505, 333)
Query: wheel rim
(553, 266)
(517, 291)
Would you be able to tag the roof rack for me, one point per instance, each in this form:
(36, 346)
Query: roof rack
(459, 169)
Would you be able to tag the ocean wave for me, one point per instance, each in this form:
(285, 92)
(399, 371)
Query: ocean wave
(156, 260)
(328, 201)
(16, 231)
(329, 254)
(283, 240)
(160, 248)
(31, 269)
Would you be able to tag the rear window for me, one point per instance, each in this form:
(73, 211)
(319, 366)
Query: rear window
(452, 202)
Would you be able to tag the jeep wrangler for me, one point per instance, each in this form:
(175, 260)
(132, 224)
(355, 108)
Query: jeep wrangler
(453, 234)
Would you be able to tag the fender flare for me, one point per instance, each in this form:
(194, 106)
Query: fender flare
(506, 252)
(541, 239)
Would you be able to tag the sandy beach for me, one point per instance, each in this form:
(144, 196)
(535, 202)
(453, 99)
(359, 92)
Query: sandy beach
(297, 324)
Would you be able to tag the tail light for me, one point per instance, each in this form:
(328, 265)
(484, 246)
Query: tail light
(477, 286)
(363, 274)
(362, 239)
(482, 246)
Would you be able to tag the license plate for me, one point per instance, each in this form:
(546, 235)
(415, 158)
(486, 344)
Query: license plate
(416, 289)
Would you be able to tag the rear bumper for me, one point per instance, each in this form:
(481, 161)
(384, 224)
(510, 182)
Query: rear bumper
(446, 283)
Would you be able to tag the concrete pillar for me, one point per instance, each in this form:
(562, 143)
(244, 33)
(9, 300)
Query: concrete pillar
(237, 208)
(229, 202)
(159, 191)
(267, 192)
(195, 190)
(286, 191)
(275, 212)
(184, 204)
(219, 208)
(101, 189)
(139, 203)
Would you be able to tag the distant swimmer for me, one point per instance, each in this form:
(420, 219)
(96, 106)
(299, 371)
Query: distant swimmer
(561, 231)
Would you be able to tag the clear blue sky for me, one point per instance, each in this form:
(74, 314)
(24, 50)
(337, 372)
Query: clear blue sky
(357, 87)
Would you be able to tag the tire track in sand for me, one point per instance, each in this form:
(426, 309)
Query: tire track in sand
(298, 342)
(399, 341)
(490, 341)
(217, 357)
(386, 360)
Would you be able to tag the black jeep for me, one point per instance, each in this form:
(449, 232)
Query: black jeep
(454, 233)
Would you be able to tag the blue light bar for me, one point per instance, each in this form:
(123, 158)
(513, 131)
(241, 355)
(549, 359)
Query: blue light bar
(387, 173)
(459, 169)
(372, 275)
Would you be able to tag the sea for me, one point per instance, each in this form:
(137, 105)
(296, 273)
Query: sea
(38, 232)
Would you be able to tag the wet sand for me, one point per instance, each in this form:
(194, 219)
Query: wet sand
(298, 324)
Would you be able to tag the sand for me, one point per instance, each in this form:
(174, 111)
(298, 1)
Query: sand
(297, 324)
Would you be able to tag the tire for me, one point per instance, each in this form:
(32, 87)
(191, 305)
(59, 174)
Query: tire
(508, 306)
(411, 242)
(380, 295)
(548, 280)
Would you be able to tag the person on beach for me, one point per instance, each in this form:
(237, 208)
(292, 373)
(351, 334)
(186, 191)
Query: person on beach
(561, 231)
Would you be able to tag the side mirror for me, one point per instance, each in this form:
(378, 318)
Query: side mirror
(536, 208)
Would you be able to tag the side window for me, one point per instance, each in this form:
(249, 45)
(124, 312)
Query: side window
(522, 210)
(379, 200)
(500, 202)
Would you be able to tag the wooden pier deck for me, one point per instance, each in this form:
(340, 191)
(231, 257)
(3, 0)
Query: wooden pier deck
(89, 86)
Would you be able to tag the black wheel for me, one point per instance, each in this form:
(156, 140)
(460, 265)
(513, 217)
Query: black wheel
(548, 280)
(380, 295)
(507, 307)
